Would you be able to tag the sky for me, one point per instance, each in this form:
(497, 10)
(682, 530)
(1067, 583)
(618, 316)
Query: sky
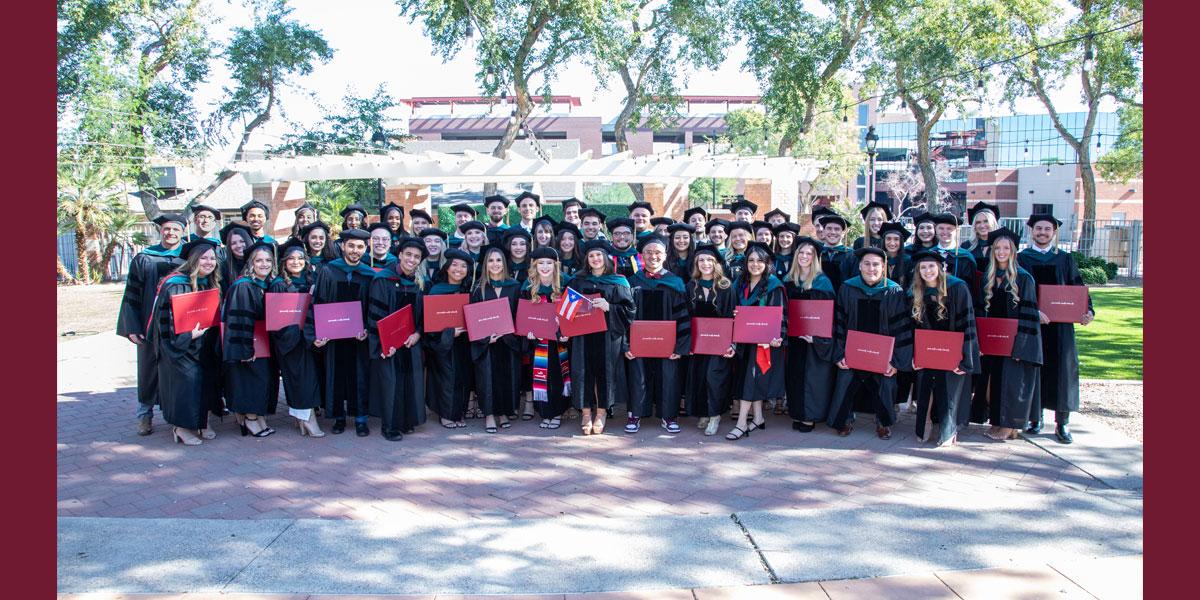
(373, 44)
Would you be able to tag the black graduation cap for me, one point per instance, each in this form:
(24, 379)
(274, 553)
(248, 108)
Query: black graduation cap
(865, 250)
(695, 210)
(261, 244)
(1005, 232)
(254, 204)
(786, 217)
(945, 219)
(493, 199)
(197, 243)
(833, 219)
(716, 223)
(762, 247)
(739, 225)
(523, 195)
(787, 226)
(573, 202)
(925, 216)
(568, 226)
(414, 243)
(980, 207)
(656, 221)
(1035, 217)
(292, 245)
(816, 244)
(462, 255)
(307, 229)
(515, 232)
(620, 222)
(416, 212)
(713, 251)
(546, 219)
(230, 227)
(592, 212)
(165, 218)
(894, 227)
(887, 209)
(354, 234)
(462, 207)
(469, 225)
(544, 252)
(203, 207)
(598, 244)
(378, 225)
(927, 255)
(428, 231)
(383, 210)
(306, 205)
(353, 208)
(820, 211)
(636, 205)
(742, 203)
(674, 227)
(652, 238)
(761, 225)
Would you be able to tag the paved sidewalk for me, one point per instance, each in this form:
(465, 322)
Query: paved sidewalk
(537, 511)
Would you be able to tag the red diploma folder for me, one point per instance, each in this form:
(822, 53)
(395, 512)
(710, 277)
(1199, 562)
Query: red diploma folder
(396, 328)
(540, 318)
(652, 339)
(195, 307)
(810, 317)
(286, 309)
(1063, 303)
(262, 343)
(337, 320)
(996, 336)
(584, 324)
(488, 318)
(941, 350)
(711, 336)
(445, 310)
(868, 351)
(757, 324)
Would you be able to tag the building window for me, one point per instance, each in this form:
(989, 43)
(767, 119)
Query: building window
(1043, 209)
(863, 112)
(1119, 217)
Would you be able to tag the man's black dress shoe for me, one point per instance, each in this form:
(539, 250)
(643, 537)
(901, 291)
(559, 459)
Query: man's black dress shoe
(339, 425)
(1063, 434)
(1034, 428)
(361, 429)
(392, 436)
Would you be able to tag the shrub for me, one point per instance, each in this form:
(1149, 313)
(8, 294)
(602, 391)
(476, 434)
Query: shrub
(1094, 275)
(1095, 262)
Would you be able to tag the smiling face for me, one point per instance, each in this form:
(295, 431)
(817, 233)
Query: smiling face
(567, 243)
(353, 220)
(456, 271)
(1043, 233)
(473, 240)
(706, 264)
(641, 218)
(875, 218)
(205, 222)
(756, 265)
(834, 233)
(591, 227)
(891, 243)
(804, 256)
(1002, 251)
(681, 241)
(381, 242)
(544, 234)
(544, 267)
(739, 239)
(528, 209)
(353, 251)
(785, 240)
(261, 262)
(518, 248)
(495, 265)
(622, 238)
(418, 223)
(257, 218)
(925, 231)
(945, 232)
(871, 268)
(207, 263)
(495, 211)
(654, 255)
(316, 240)
(596, 260)
(982, 224)
(433, 243)
(172, 234)
(763, 235)
(305, 217)
(571, 214)
(409, 259)
(461, 217)
(237, 245)
(717, 236)
(294, 263)
(395, 220)
(930, 269)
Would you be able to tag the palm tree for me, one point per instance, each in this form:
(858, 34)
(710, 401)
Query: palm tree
(121, 232)
(87, 193)
(330, 198)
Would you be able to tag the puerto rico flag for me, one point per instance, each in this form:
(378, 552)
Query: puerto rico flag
(572, 304)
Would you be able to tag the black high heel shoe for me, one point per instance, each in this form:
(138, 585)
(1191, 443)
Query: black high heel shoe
(762, 425)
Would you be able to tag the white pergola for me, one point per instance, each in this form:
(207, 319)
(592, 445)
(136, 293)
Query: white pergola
(396, 168)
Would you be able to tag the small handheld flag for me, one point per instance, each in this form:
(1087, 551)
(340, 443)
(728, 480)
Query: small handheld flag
(573, 304)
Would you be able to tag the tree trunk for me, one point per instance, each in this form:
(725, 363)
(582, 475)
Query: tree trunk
(106, 257)
(1087, 176)
(925, 162)
(621, 130)
(64, 274)
(82, 269)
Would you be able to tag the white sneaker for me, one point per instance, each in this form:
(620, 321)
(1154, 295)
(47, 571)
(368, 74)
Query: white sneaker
(702, 423)
(713, 424)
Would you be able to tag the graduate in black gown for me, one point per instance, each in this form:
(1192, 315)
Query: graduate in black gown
(550, 365)
(517, 242)
(463, 213)
(874, 215)
(943, 302)
(204, 224)
(568, 240)
(740, 235)
(379, 247)
(397, 375)
(238, 239)
(655, 384)
(760, 369)
(450, 371)
(304, 215)
(623, 249)
(591, 225)
(248, 379)
(679, 255)
(256, 215)
(435, 248)
(870, 303)
(899, 269)
(392, 215)
(1009, 384)
(146, 270)
(542, 233)
(785, 246)
(317, 244)
(1060, 359)
(958, 262)
(345, 388)
(597, 358)
(497, 218)
(497, 358)
(982, 218)
(925, 237)
(708, 385)
(809, 359)
(296, 356)
(354, 216)
(187, 380)
(837, 260)
(717, 232)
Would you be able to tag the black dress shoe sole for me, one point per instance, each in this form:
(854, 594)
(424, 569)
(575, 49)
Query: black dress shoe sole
(339, 428)
(362, 431)
(395, 437)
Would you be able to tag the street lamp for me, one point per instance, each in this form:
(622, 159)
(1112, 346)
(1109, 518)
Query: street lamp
(380, 138)
(872, 139)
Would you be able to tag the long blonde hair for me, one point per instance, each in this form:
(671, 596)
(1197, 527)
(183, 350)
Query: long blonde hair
(191, 267)
(868, 235)
(535, 281)
(486, 278)
(991, 219)
(720, 280)
(918, 293)
(248, 268)
(814, 269)
(1010, 275)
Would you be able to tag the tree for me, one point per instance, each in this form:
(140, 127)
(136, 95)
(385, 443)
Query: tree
(1101, 45)
(799, 56)
(330, 198)
(709, 191)
(932, 59)
(519, 41)
(649, 45)
(1124, 161)
(261, 60)
(86, 197)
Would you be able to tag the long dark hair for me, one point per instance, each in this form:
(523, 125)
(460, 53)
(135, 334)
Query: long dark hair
(283, 272)
(744, 276)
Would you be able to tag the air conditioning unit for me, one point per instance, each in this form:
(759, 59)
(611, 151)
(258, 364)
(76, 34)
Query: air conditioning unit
(178, 178)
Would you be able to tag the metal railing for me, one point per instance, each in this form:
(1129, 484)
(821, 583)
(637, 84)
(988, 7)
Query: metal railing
(118, 266)
(1118, 242)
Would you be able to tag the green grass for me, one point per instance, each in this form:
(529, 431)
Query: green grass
(1111, 346)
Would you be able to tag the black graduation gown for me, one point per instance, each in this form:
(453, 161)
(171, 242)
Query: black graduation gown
(571, 266)
(295, 355)
(708, 386)
(736, 263)
(783, 264)
(628, 261)
(1060, 358)
(518, 271)
(247, 384)
(839, 264)
(597, 364)
(346, 383)
(1009, 384)
(187, 379)
(397, 390)
(146, 270)
(961, 264)
(978, 250)
(655, 383)
(495, 363)
(231, 270)
(858, 242)
(431, 269)
(451, 373)
(681, 267)
(884, 312)
(950, 393)
(558, 387)
(810, 370)
(750, 382)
